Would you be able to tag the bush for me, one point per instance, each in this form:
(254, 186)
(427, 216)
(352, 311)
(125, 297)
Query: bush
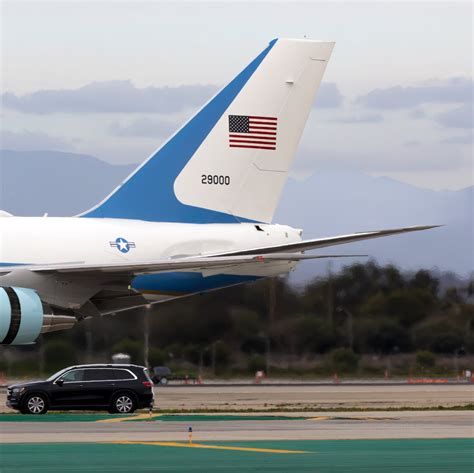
(223, 354)
(256, 363)
(156, 357)
(192, 353)
(344, 360)
(425, 359)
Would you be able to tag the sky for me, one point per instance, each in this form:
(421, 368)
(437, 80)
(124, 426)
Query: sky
(115, 79)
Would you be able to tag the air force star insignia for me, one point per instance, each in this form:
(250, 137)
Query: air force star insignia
(122, 245)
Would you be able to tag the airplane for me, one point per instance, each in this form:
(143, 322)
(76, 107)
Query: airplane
(196, 216)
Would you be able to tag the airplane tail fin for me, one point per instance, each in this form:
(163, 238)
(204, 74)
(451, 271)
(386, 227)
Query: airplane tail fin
(230, 161)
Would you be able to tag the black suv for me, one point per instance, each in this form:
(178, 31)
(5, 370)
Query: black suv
(116, 388)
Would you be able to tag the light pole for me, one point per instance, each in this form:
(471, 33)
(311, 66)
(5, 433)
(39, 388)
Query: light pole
(146, 335)
(213, 356)
(89, 342)
(457, 352)
(350, 325)
(266, 338)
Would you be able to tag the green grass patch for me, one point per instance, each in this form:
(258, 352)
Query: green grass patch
(56, 417)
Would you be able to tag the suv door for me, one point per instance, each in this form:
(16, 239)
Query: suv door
(68, 393)
(99, 385)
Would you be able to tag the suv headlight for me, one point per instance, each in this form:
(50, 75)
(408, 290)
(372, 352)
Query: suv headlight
(18, 390)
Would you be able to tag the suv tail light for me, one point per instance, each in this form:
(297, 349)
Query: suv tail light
(147, 384)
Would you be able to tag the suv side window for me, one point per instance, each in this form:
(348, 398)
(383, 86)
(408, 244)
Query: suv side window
(123, 374)
(73, 376)
(98, 374)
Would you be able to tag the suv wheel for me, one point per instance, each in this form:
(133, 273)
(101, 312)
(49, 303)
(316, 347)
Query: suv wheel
(123, 403)
(35, 404)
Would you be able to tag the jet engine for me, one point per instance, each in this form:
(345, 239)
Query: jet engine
(23, 317)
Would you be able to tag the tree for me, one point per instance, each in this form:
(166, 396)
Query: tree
(440, 336)
(424, 280)
(381, 335)
(344, 360)
(313, 334)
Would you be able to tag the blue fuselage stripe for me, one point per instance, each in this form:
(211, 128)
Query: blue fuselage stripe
(186, 283)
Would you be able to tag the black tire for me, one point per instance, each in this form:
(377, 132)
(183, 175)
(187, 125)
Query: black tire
(123, 403)
(35, 404)
(164, 381)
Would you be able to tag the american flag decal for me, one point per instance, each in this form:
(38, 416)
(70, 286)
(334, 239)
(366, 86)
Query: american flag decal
(252, 132)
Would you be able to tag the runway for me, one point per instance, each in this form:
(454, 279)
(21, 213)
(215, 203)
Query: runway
(254, 436)
(59, 428)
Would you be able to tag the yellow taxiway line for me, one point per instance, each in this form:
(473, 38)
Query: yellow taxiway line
(213, 447)
(124, 419)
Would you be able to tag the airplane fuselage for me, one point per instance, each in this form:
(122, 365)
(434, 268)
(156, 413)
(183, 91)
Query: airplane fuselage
(60, 240)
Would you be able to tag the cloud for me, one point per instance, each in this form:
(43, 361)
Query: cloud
(417, 114)
(412, 143)
(455, 90)
(121, 96)
(461, 140)
(411, 159)
(368, 118)
(460, 117)
(328, 96)
(32, 141)
(143, 128)
(111, 97)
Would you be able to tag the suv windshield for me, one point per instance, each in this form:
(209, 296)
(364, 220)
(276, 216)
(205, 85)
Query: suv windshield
(57, 374)
(73, 376)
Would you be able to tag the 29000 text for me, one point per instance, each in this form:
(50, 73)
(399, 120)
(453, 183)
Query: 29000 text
(215, 179)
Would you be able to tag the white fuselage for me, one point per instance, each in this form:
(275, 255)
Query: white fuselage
(40, 240)
(55, 240)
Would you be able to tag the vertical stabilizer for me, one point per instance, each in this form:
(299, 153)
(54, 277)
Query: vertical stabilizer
(230, 161)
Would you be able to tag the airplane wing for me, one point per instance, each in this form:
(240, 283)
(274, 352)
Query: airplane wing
(286, 252)
(317, 243)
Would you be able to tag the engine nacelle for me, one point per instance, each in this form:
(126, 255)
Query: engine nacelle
(23, 317)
